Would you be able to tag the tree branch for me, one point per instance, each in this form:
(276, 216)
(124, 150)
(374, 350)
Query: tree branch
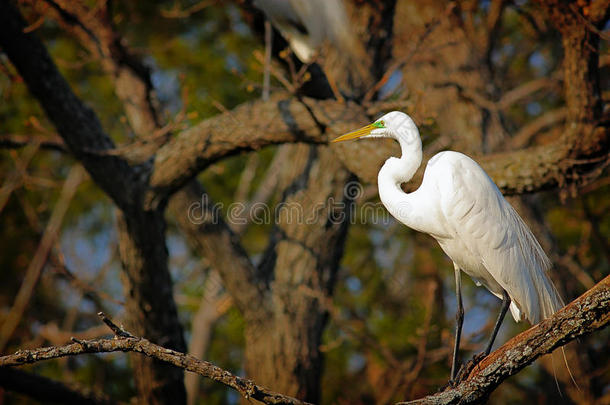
(586, 134)
(590, 312)
(21, 141)
(126, 342)
(202, 222)
(252, 126)
(76, 123)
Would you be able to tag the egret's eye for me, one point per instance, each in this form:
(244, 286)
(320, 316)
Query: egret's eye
(379, 124)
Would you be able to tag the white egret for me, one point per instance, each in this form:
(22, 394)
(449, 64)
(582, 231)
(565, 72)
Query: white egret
(460, 206)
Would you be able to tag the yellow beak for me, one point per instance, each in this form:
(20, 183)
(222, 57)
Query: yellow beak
(355, 134)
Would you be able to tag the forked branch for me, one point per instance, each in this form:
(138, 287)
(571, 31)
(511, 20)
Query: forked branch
(588, 313)
(126, 342)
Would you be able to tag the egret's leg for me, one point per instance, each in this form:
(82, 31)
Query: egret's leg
(459, 318)
(505, 305)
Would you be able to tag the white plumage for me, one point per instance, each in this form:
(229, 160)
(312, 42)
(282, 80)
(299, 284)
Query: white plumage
(460, 206)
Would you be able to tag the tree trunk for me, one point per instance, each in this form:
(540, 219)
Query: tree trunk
(149, 304)
(282, 351)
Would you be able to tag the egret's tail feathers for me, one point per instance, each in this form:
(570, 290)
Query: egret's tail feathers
(548, 297)
(515, 312)
(538, 265)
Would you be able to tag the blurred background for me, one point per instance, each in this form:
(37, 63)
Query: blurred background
(480, 77)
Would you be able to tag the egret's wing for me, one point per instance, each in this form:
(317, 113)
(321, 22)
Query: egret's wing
(491, 229)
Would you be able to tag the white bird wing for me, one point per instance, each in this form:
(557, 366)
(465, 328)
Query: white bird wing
(495, 234)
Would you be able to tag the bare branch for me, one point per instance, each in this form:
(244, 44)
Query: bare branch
(590, 312)
(529, 130)
(21, 141)
(15, 179)
(176, 12)
(118, 331)
(125, 342)
(525, 90)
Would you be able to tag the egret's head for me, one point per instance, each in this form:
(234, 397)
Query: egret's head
(394, 124)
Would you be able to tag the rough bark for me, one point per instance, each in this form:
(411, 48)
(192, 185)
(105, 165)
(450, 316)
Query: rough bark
(283, 119)
(581, 57)
(301, 263)
(149, 302)
(214, 239)
(283, 329)
(581, 73)
(280, 300)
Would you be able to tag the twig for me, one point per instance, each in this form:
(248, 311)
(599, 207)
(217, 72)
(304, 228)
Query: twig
(118, 331)
(512, 96)
(126, 342)
(176, 12)
(97, 295)
(15, 179)
(56, 336)
(73, 20)
(8, 141)
(588, 313)
(603, 35)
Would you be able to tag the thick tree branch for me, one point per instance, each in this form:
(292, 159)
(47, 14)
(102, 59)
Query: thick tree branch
(258, 124)
(126, 342)
(590, 312)
(76, 123)
(255, 125)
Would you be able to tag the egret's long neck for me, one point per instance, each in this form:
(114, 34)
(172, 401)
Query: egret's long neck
(409, 162)
(394, 172)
